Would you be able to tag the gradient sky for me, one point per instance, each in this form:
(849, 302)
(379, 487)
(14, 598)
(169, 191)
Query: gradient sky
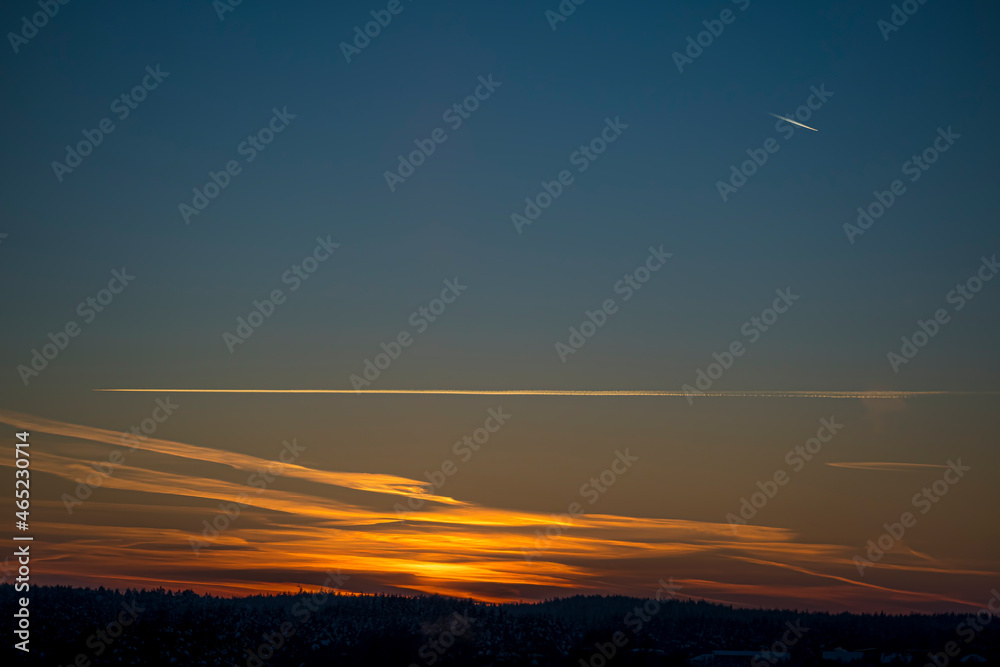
(656, 185)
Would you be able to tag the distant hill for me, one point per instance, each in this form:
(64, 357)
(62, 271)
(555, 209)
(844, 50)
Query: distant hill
(83, 627)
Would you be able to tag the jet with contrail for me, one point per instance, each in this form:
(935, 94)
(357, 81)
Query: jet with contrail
(794, 122)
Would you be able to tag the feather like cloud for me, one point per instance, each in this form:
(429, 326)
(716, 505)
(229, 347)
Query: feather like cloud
(139, 532)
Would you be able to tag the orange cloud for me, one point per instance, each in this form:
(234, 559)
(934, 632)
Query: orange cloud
(139, 531)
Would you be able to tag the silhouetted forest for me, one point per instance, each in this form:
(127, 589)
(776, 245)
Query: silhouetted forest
(82, 627)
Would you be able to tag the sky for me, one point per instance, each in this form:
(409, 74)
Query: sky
(236, 229)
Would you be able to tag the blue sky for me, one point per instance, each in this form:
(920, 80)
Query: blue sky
(655, 186)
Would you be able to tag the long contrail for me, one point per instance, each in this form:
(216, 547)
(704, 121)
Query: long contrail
(884, 466)
(793, 122)
(582, 392)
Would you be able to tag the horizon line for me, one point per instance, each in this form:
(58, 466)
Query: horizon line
(680, 597)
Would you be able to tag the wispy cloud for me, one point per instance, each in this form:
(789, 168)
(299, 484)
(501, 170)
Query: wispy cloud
(374, 482)
(139, 530)
(886, 466)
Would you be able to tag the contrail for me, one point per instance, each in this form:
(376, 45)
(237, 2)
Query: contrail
(886, 466)
(581, 392)
(794, 122)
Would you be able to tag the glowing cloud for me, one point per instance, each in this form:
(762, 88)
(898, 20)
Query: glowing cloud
(142, 530)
